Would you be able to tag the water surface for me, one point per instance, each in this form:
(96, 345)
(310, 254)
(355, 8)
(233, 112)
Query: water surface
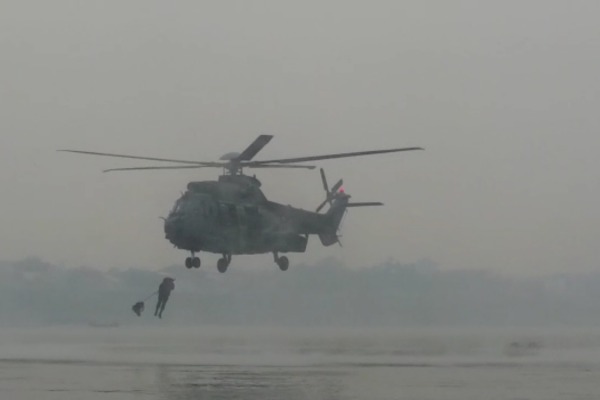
(274, 363)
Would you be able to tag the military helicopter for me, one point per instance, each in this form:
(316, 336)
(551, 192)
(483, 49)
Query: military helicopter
(232, 216)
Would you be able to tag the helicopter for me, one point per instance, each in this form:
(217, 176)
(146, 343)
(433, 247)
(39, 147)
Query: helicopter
(232, 216)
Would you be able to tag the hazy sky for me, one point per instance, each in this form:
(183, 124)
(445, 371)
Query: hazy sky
(504, 96)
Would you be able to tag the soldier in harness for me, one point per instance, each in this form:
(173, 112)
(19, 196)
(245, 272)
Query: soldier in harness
(164, 290)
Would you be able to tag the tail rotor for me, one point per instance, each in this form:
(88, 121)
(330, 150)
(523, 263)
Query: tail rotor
(330, 194)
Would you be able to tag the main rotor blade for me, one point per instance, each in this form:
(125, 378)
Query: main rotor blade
(146, 168)
(324, 180)
(337, 155)
(277, 166)
(254, 148)
(93, 153)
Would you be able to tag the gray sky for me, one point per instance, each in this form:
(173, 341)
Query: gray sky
(503, 95)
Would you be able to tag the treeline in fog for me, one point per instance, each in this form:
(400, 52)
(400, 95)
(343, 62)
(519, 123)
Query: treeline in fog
(390, 294)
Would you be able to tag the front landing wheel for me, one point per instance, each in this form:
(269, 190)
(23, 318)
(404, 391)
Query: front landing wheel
(192, 262)
(196, 262)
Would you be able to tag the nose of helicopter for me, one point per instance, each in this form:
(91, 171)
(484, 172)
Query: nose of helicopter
(173, 227)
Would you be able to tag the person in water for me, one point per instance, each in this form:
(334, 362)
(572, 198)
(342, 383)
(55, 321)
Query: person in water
(164, 290)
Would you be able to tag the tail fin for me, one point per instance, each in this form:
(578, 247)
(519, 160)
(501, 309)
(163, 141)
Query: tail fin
(339, 202)
(334, 216)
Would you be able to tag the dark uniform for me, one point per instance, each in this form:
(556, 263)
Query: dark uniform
(164, 290)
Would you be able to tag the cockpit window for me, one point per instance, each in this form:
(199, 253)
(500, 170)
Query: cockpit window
(176, 206)
(179, 204)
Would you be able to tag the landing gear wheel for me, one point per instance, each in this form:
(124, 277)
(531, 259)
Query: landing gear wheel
(283, 263)
(188, 262)
(222, 265)
(196, 262)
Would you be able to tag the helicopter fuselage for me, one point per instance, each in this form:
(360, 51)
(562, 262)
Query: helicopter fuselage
(232, 216)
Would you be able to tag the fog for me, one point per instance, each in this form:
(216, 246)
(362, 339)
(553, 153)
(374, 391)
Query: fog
(503, 96)
(326, 294)
(478, 278)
